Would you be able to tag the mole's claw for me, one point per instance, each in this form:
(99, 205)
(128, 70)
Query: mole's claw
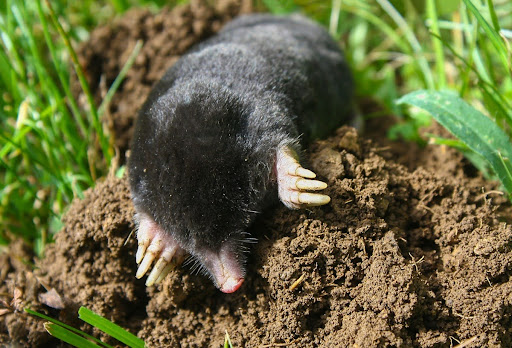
(305, 173)
(294, 182)
(161, 264)
(169, 267)
(141, 250)
(144, 235)
(311, 199)
(145, 264)
(304, 184)
(152, 252)
(155, 244)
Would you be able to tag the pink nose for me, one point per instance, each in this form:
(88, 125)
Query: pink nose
(231, 285)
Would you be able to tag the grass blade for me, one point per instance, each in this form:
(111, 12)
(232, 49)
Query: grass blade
(492, 35)
(67, 336)
(502, 104)
(494, 17)
(357, 8)
(98, 127)
(120, 77)
(110, 328)
(334, 18)
(67, 327)
(280, 7)
(469, 125)
(227, 341)
(62, 78)
(455, 143)
(438, 45)
(413, 41)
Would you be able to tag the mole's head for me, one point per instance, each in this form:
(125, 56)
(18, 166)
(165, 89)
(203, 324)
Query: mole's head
(192, 182)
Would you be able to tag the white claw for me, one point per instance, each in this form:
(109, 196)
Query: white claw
(312, 199)
(305, 184)
(164, 272)
(159, 267)
(305, 173)
(156, 271)
(141, 250)
(145, 264)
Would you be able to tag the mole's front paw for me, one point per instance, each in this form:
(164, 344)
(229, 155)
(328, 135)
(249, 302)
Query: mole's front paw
(294, 182)
(155, 243)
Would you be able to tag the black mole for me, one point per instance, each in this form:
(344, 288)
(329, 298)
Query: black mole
(219, 137)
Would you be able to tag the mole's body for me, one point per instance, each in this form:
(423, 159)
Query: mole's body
(218, 137)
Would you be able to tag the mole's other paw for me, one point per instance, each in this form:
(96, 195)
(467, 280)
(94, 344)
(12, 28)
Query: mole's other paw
(156, 244)
(294, 182)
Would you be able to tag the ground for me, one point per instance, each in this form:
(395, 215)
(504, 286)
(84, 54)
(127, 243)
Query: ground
(415, 249)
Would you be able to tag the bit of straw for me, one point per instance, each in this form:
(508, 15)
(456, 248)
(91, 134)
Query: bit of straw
(466, 343)
(286, 344)
(297, 282)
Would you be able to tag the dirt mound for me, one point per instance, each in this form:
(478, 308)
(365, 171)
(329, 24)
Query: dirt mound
(399, 258)
(413, 250)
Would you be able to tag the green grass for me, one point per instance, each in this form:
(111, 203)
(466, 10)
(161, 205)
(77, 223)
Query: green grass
(80, 339)
(45, 137)
(52, 148)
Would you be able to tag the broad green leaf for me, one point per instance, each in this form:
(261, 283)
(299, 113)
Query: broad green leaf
(472, 127)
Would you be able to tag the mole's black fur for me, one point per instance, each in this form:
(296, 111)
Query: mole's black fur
(205, 140)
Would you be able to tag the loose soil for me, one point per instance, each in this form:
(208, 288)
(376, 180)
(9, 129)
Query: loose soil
(415, 249)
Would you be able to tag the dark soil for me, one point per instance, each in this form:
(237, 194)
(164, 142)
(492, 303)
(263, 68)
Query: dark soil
(414, 250)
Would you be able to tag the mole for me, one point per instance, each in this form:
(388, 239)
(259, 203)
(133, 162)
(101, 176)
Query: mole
(220, 137)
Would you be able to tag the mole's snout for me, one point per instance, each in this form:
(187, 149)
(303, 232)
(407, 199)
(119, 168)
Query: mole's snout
(225, 267)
